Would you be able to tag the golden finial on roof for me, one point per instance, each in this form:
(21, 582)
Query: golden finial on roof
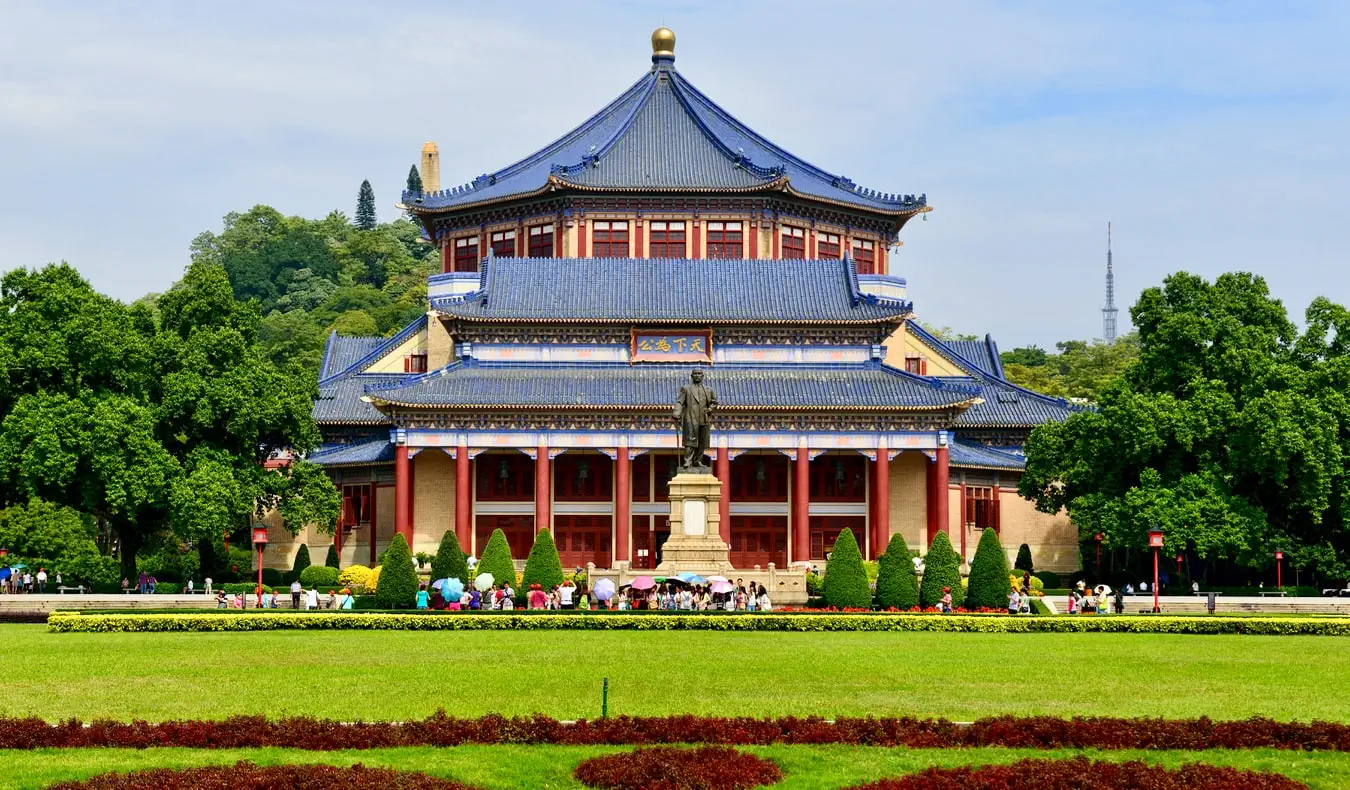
(663, 42)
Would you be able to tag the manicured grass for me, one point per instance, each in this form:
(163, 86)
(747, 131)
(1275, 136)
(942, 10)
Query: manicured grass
(351, 675)
(814, 767)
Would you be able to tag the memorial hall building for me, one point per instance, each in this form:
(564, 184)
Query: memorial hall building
(579, 287)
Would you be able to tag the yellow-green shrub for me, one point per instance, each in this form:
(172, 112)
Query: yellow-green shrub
(355, 576)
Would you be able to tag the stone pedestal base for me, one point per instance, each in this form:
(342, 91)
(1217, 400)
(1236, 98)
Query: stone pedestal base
(695, 544)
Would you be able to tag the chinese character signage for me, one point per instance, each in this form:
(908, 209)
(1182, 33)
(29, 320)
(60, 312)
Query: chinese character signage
(679, 346)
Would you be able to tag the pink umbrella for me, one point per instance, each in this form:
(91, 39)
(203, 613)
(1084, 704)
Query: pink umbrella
(722, 587)
(644, 583)
(718, 579)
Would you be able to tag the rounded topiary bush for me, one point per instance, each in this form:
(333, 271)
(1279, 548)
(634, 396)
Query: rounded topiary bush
(845, 578)
(497, 560)
(1081, 773)
(542, 567)
(247, 776)
(670, 768)
(450, 562)
(897, 585)
(398, 578)
(941, 568)
(989, 575)
(319, 576)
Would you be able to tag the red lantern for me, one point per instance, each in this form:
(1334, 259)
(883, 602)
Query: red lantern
(1099, 537)
(260, 535)
(4, 553)
(1155, 541)
(1279, 555)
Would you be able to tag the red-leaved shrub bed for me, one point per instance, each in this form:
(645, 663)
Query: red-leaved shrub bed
(668, 768)
(1081, 773)
(1032, 732)
(247, 776)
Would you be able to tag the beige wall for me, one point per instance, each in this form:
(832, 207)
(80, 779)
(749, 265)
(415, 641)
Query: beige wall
(393, 361)
(901, 344)
(433, 499)
(909, 499)
(440, 346)
(1053, 538)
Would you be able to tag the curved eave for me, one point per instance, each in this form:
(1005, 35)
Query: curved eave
(703, 322)
(900, 212)
(362, 423)
(381, 403)
(354, 463)
(985, 467)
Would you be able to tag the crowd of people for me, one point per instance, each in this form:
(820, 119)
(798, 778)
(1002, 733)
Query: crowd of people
(22, 580)
(675, 597)
(668, 596)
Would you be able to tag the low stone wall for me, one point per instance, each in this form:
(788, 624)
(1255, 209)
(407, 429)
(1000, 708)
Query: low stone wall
(42, 604)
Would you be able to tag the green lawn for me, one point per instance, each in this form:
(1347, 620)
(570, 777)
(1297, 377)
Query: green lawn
(401, 675)
(551, 766)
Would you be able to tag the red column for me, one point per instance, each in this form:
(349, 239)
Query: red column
(753, 241)
(403, 493)
(696, 240)
(581, 237)
(811, 251)
(542, 490)
(930, 499)
(801, 505)
(940, 483)
(463, 505)
(374, 521)
(881, 257)
(777, 238)
(557, 239)
(964, 516)
(639, 250)
(623, 498)
(724, 506)
(881, 501)
(447, 263)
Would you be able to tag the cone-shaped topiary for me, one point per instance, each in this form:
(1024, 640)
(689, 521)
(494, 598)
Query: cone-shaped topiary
(897, 586)
(989, 582)
(332, 559)
(450, 561)
(941, 568)
(398, 577)
(542, 567)
(301, 562)
(497, 560)
(845, 577)
(1024, 560)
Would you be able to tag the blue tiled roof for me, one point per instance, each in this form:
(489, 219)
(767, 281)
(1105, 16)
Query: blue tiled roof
(478, 384)
(978, 456)
(370, 451)
(339, 401)
(982, 353)
(342, 352)
(666, 290)
(1007, 405)
(662, 134)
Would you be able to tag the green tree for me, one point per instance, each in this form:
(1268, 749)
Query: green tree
(496, 559)
(414, 181)
(989, 574)
(356, 323)
(365, 208)
(292, 341)
(43, 534)
(1026, 356)
(845, 578)
(897, 586)
(1079, 369)
(1230, 433)
(398, 577)
(450, 562)
(946, 333)
(302, 561)
(1023, 562)
(331, 560)
(941, 569)
(542, 567)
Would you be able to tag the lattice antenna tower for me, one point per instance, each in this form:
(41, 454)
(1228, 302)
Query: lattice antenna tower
(1109, 311)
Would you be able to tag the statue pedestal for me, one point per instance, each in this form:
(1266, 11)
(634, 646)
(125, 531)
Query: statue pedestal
(695, 544)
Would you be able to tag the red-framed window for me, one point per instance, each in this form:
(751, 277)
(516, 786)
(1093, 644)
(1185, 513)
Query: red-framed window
(650, 534)
(667, 239)
(916, 365)
(504, 477)
(839, 478)
(466, 254)
(758, 540)
(726, 240)
(827, 245)
(759, 478)
(794, 242)
(356, 505)
(664, 468)
(519, 531)
(503, 243)
(609, 238)
(583, 539)
(583, 477)
(825, 530)
(981, 508)
(865, 256)
(541, 241)
(415, 363)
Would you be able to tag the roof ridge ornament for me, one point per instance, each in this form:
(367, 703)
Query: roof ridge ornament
(663, 47)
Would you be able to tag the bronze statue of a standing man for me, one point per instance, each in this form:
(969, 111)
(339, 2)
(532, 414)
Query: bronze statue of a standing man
(693, 412)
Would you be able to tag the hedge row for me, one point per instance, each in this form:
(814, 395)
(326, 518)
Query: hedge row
(68, 622)
(1079, 773)
(1032, 732)
(718, 767)
(247, 776)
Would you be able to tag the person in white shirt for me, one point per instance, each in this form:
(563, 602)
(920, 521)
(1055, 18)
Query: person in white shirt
(189, 586)
(312, 598)
(208, 585)
(565, 595)
(42, 580)
(296, 589)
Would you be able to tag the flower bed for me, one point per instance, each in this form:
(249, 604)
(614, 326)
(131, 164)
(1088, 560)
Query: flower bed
(247, 776)
(668, 768)
(66, 622)
(1032, 732)
(1081, 773)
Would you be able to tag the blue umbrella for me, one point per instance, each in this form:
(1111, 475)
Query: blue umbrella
(5, 573)
(453, 588)
(687, 576)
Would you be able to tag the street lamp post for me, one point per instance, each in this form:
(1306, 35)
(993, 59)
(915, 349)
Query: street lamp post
(1279, 555)
(1098, 537)
(1155, 541)
(260, 541)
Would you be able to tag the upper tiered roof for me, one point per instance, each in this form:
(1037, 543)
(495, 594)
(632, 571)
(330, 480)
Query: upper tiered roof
(663, 135)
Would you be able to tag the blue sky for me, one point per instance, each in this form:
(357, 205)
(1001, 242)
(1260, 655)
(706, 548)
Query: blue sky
(1213, 135)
